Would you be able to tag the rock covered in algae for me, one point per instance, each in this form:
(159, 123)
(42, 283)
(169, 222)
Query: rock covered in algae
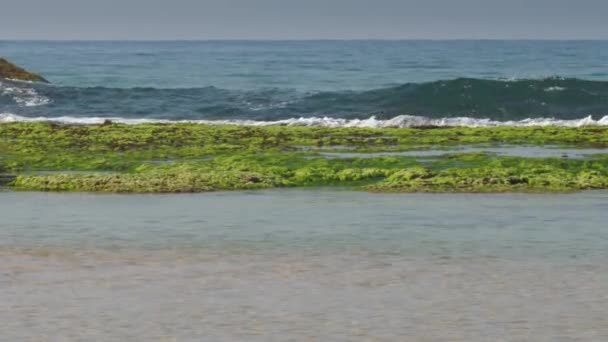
(9, 70)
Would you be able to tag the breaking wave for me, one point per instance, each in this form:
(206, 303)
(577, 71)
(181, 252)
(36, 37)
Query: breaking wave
(463, 100)
(22, 94)
(401, 121)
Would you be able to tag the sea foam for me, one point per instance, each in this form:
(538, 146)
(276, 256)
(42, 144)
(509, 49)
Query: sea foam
(401, 121)
(24, 96)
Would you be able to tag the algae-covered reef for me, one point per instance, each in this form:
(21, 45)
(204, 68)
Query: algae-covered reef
(154, 158)
(9, 70)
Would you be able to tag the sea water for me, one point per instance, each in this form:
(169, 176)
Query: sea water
(304, 265)
(332, 83)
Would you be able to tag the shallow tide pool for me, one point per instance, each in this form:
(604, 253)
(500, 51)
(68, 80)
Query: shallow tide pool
(500, 150)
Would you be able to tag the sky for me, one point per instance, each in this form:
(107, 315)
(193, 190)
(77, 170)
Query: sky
(302, 19)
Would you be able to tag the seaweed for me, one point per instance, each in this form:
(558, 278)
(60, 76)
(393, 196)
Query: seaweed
(151, 158)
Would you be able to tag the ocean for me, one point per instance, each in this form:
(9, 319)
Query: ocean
(332, 83)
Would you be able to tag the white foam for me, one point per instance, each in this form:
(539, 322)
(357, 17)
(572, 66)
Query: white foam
(24, 96)
(402, 121)
(554, 89)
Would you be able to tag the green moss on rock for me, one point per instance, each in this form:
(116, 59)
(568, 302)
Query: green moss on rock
(9, 70)
(176, 158)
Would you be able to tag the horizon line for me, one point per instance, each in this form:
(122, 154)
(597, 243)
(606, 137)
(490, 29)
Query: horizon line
(300, 39)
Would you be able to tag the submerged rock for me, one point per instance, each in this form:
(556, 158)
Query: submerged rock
(9, 70)
(6, 179)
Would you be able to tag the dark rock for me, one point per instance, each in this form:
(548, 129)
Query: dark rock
(9, 70)
(253, 179)
(6, 179)
(517, 180)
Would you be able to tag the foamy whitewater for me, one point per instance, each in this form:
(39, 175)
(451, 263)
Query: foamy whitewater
(22, 94)
(401, 121)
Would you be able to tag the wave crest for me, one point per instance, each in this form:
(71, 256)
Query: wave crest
(498, 100)
(401, 121)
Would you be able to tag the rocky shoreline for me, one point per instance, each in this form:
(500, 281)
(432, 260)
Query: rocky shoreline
(11, 71)
(174, 158)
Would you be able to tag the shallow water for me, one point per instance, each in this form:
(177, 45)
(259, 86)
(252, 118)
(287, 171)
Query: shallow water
(503, 150)
(304, 264)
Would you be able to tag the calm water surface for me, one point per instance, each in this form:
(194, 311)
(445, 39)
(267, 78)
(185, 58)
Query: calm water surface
(304, 265)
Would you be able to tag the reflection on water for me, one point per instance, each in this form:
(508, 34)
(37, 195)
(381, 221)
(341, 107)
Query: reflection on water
(501, 150)
(304, 265)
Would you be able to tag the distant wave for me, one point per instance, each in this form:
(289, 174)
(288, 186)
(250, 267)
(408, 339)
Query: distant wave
(23, 94)
(498, 100)
(401, 121)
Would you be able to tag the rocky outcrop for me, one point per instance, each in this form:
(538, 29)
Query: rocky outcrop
(9, 70)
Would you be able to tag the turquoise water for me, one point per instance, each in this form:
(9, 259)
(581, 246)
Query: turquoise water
(304, 265)
(500, 80)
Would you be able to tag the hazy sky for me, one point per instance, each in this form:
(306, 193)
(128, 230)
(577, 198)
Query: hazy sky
(303, 19)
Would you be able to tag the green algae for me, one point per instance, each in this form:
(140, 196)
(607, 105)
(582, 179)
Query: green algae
(175, 158)
(501, 175)
(472, 174)
(179, 138)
